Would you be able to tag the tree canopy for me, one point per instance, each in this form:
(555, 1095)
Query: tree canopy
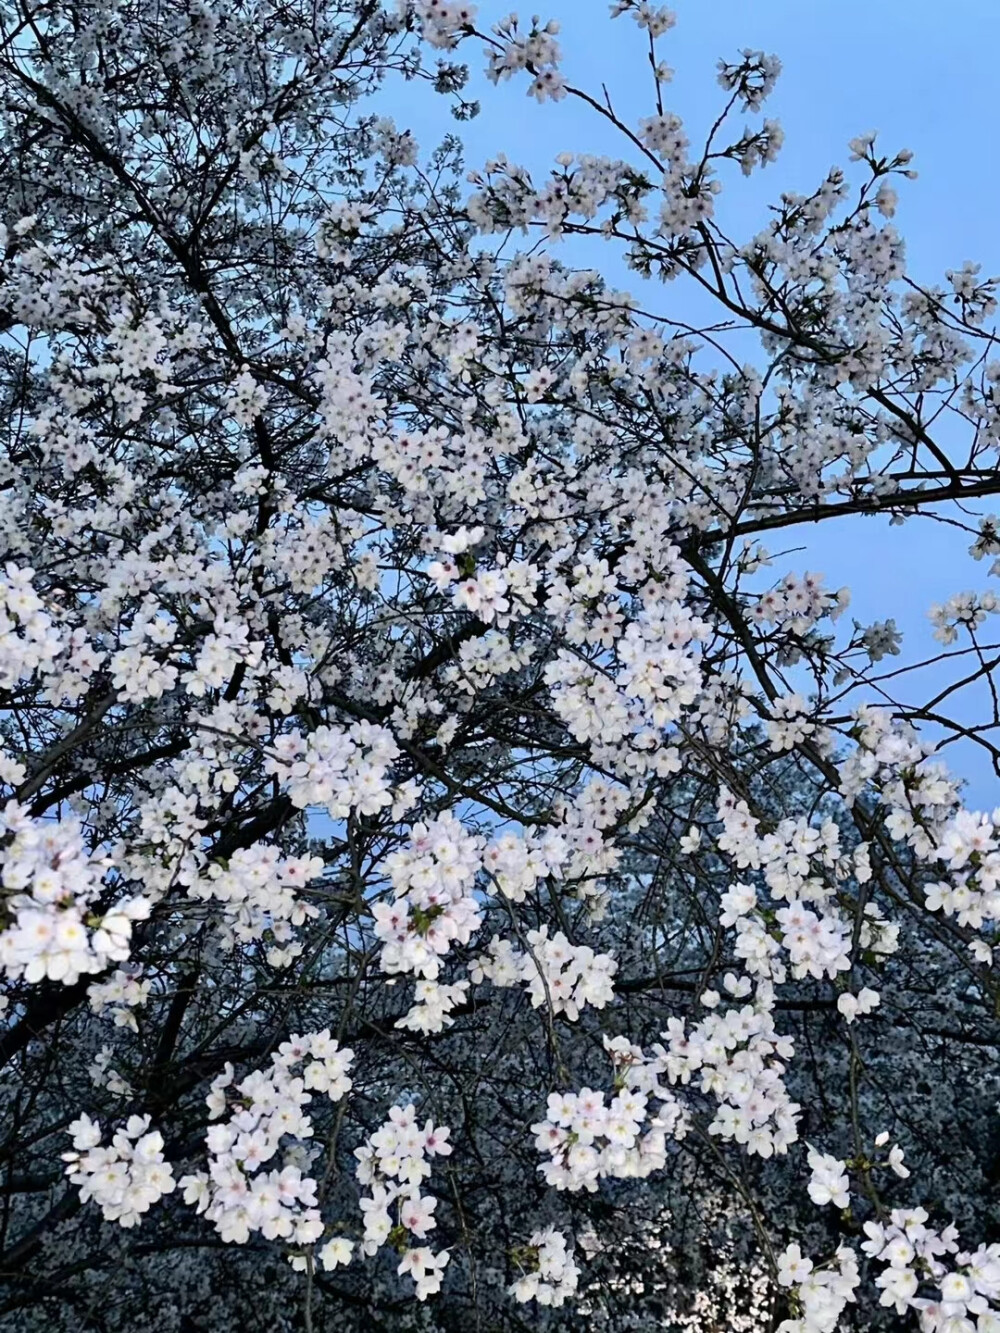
(454, 875)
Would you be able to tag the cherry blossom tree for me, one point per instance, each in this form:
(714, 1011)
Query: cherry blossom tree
(454, 875)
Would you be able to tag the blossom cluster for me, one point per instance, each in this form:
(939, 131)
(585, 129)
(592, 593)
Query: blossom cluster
(588, 1138)
(562, 976)
(551, 1275)
(918, 1256)
(59, 924)
(29, 639)
(434, 906)
(737, 1057)
(516, 864)
(256, 889)
(341, 769)
(392, 1163)
(820, 1293)
(268, 1120)
(124, 1178)
(122, 993)
(803, 867)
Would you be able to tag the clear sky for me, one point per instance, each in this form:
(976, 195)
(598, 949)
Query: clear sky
(921, 74)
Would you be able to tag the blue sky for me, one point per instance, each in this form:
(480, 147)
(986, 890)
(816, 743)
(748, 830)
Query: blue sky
(918, 73)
